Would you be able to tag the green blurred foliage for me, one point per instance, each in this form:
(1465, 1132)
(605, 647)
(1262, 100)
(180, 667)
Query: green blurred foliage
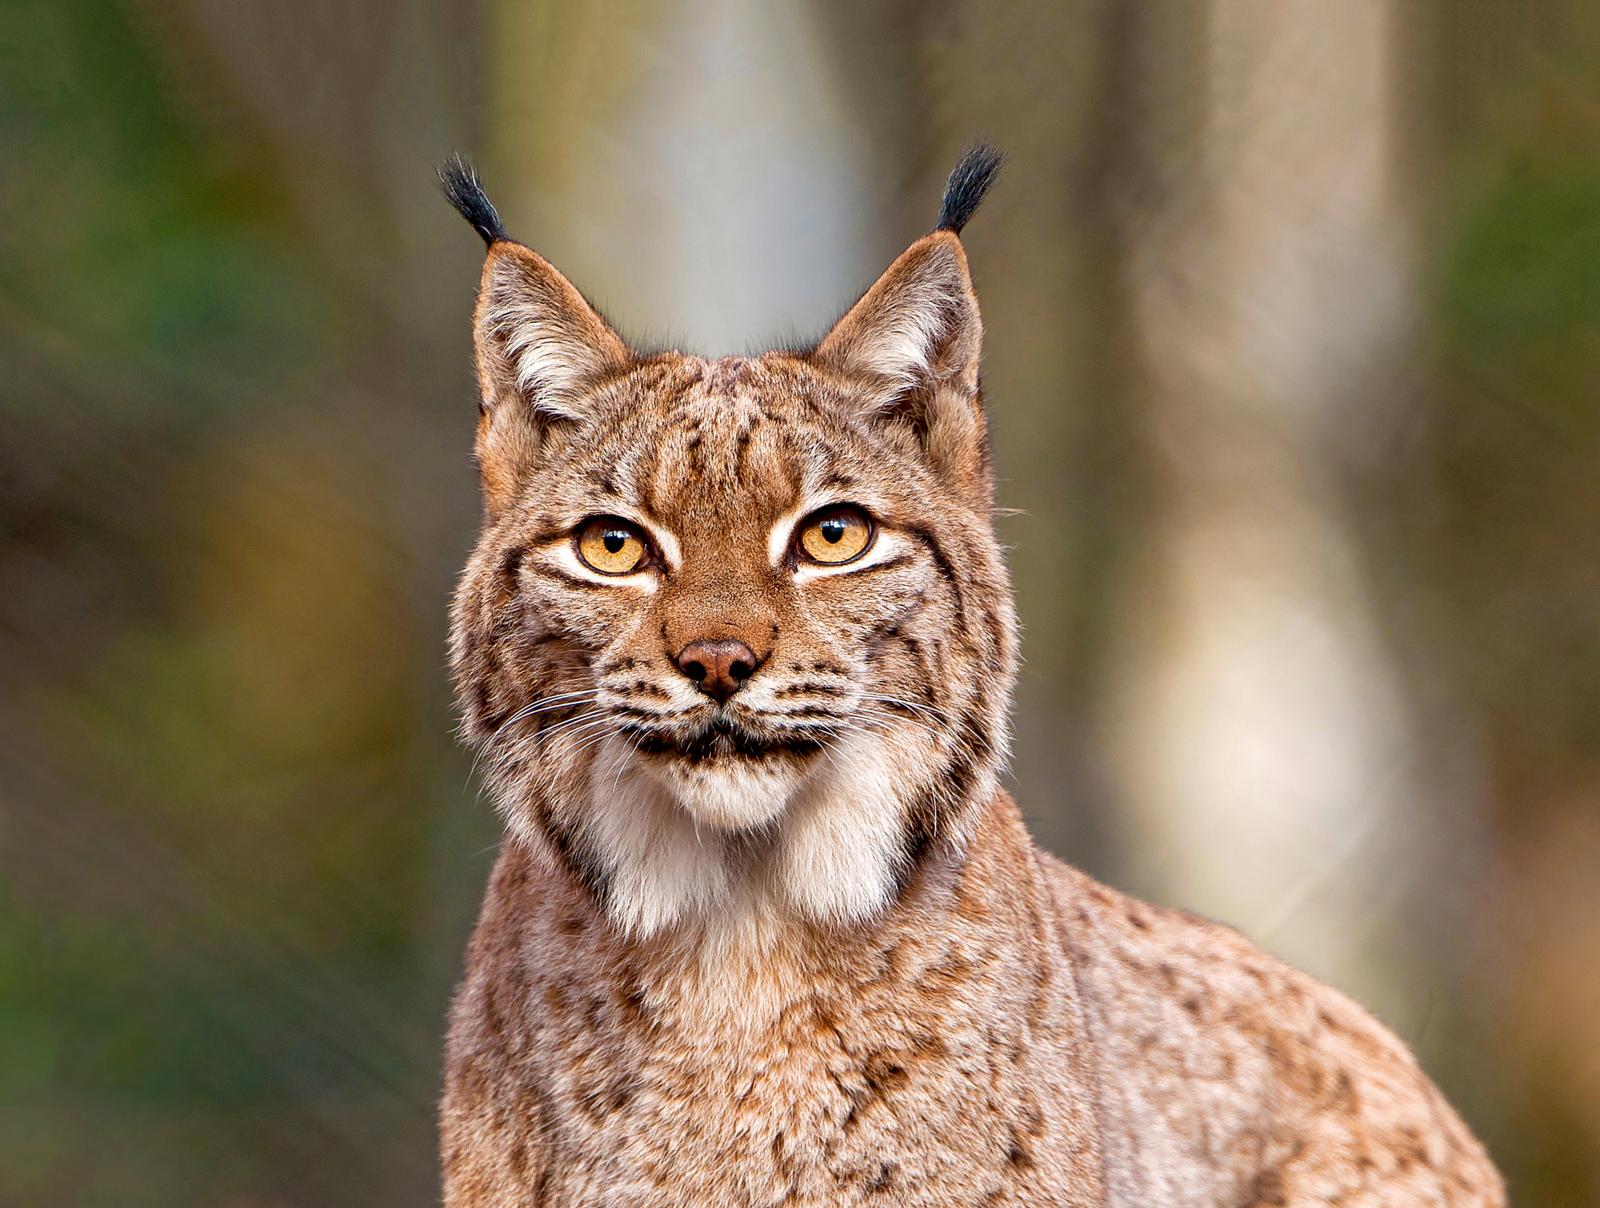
(128, 232)
(1517, 301)
(1506, 537)
(214, 896)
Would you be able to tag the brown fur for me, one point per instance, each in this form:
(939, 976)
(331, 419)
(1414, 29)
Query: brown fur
(799, 949)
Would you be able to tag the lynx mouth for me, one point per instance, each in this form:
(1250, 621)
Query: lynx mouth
(721, 738)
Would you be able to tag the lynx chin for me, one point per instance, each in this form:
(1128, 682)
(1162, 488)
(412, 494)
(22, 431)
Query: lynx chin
(736, 648)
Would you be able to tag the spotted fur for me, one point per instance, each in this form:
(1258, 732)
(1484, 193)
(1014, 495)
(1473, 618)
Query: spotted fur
(797, 948)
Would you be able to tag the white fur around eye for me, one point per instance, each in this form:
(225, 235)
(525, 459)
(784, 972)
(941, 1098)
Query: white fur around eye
(665, 543)
(886, 544)
(782, 534)
(786, 531)
(563, 556)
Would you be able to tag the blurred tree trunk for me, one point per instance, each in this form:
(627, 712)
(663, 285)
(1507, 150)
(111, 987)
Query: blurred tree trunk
(1262, 743)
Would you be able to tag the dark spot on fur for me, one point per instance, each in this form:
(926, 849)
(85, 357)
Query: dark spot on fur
(642, 714)
(635, 1006)
(880, 1181)
(600, 1102)
(914, 845)
(488, 718)
(590, 874)
(946, 571)
(519, 1159)
(1267, 1191)
(739, 455)
(884, 1074)
(812, 711)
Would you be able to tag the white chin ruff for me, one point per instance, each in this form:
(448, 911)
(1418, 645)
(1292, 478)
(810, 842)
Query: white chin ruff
(730, 793)
(731, 845)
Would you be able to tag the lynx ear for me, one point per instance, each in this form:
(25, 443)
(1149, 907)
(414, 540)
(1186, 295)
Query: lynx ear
(915, 338)
(539, 343)
(917, 328)
(540, 346)
(912, 345)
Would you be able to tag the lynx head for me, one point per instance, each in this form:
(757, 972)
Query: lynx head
(736, 637)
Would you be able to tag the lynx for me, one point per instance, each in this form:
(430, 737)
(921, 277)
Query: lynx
(736, 646)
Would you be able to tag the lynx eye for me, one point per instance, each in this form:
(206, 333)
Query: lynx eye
(836, 535)
(611, 546)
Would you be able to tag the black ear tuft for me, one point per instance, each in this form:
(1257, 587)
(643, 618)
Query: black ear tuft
(969, 181)
(459, 181)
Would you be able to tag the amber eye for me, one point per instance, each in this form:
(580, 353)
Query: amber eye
(611, 546)
(836, 535)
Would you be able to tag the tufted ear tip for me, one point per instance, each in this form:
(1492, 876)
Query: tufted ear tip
(970, 181)
(458, 181)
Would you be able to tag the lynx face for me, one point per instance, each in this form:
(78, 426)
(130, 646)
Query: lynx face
(736, 631)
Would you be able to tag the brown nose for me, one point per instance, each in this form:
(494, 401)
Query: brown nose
(720, 666)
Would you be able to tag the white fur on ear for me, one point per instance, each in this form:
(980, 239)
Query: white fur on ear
(537, 339)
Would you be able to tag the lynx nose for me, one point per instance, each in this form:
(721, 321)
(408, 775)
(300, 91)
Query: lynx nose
(719, 666)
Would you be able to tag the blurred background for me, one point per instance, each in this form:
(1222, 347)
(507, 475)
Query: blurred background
(1293, 317)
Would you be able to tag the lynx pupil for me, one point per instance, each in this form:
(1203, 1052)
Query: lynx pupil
(833, 531)
(614, 541)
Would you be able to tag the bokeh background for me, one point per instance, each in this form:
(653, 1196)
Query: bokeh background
(1293, 353)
